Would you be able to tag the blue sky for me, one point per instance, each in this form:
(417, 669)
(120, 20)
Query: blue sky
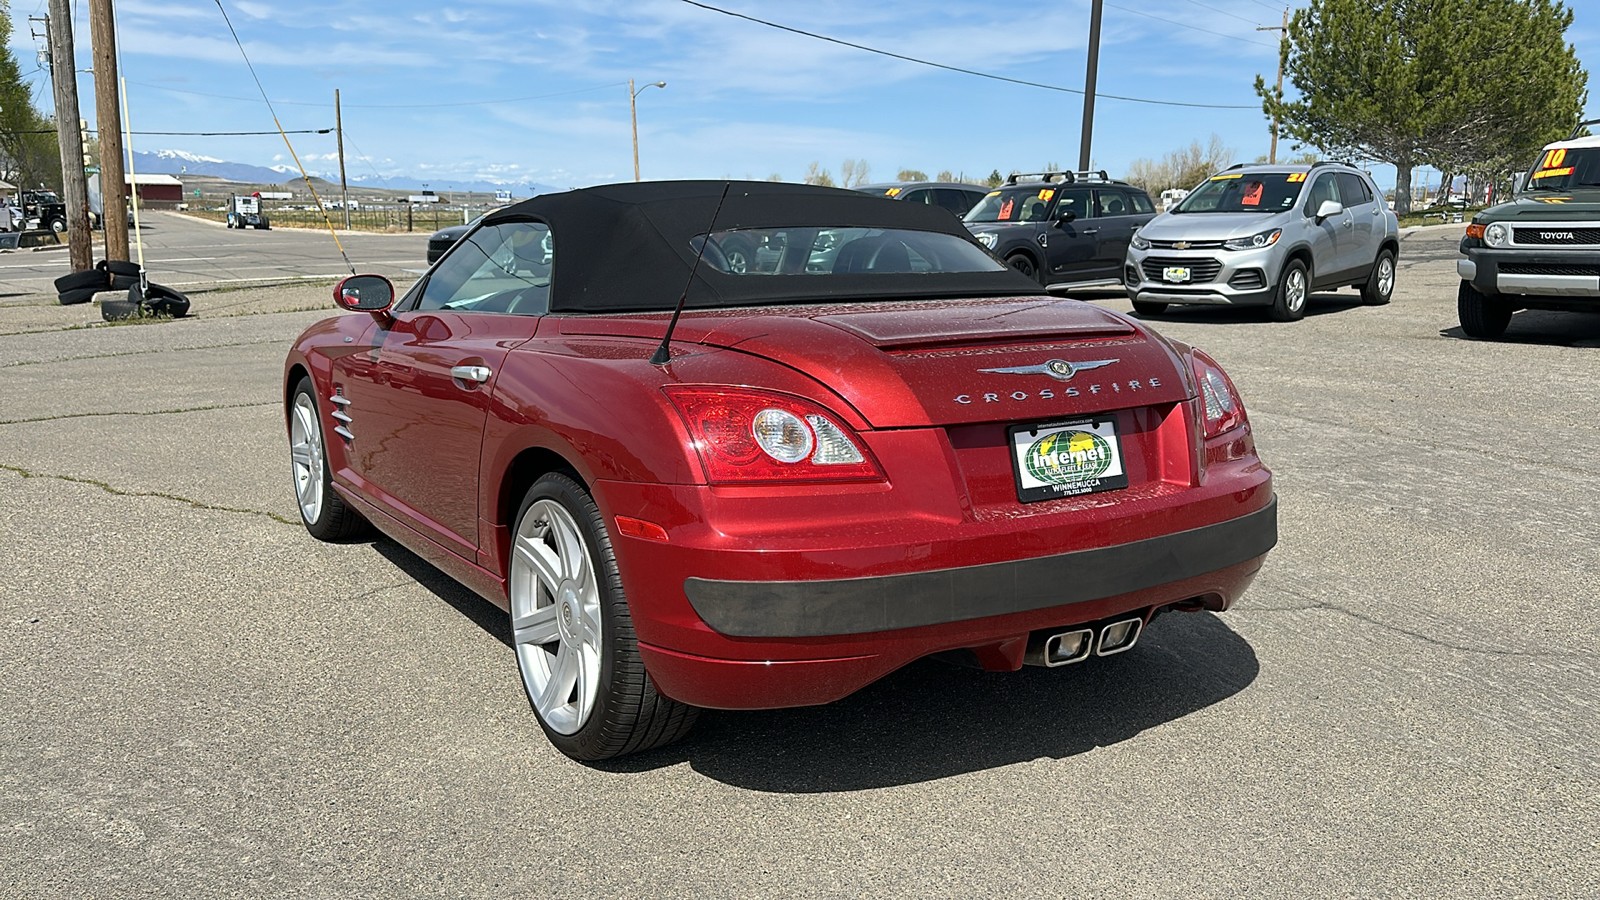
(535, 90)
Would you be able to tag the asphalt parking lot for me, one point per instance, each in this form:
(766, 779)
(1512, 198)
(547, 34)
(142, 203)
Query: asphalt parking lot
(197, 699)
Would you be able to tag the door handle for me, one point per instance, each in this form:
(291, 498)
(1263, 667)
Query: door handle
(1090, 231)
(478, 374)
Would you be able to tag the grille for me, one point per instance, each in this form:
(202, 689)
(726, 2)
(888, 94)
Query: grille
(1187, 245)
(1543, 236)
(1248, 280)
(1200, 270)
(1511, 268)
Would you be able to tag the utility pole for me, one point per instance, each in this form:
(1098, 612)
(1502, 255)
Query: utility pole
(344, 187)
(69, 138)
(107, 102)
(1283, 32)
(1088, 87)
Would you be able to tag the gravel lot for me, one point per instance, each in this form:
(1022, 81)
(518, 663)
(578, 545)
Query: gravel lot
(199, 700)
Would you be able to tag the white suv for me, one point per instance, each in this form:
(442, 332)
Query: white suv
(1267, 236)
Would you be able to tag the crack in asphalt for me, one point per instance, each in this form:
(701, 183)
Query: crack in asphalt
(153, 412)
(158, 495)
(41, 362)
(1325, 606)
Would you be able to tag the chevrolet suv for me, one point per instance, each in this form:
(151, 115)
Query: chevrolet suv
(1267, 236)
(1063, 229)
(1541, 250)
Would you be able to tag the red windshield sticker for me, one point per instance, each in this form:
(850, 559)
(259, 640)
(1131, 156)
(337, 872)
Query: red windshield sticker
(1252, 194)
(1006, 209)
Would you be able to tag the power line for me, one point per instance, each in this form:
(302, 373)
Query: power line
(948, 68)
(1217, 9)
(598, 87)
(187, 133)
(1230, 37)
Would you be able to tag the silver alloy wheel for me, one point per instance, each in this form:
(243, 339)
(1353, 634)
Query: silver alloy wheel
(1385, 276)
(305, 456)
(1295, 290)
(555, 616)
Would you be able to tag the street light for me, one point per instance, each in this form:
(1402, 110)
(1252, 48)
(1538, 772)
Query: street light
(633, 112)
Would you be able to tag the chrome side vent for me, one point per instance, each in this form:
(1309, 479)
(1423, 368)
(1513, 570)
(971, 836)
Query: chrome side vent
(340, 404)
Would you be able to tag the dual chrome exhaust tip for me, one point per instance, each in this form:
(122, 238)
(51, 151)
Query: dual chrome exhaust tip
(1074, 646)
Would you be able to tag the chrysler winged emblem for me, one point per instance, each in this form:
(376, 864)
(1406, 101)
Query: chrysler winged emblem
(1059, 369)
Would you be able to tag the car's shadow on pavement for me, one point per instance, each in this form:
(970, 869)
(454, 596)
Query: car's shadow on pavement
(932, 719)
(1316, 305)
(1544, 328)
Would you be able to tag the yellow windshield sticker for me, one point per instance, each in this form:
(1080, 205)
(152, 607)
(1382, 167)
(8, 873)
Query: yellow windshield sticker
(1552, 199)
(1553, 173)
(992, 194)
(1296, 177)
(1046, 194)
(1555, 158)
(1226, 177)
(894, 192)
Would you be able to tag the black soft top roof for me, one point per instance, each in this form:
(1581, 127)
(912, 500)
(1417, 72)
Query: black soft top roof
(623, 247)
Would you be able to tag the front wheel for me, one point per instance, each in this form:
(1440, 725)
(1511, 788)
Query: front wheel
(573, 633)
(1294, 287)
(1379, 288)
(1023, 263)
(1482, 317)
(324, 513)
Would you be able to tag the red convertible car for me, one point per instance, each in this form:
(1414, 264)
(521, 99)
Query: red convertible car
(879, 445)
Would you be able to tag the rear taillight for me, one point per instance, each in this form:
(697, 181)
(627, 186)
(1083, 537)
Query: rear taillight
(745, 435)
(1221, 407)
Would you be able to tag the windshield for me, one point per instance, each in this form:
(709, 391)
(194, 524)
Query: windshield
(1236, 192)
(842, 250)
(1019, 204)
(1566, 169)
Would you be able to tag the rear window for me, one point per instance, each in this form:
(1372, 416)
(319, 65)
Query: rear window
(841, 250)
(1239, 192)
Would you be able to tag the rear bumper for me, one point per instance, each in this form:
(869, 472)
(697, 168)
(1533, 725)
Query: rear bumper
(789, 609)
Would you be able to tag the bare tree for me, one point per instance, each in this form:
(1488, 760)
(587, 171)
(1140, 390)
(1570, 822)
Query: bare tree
(853, 172)
(816, 174)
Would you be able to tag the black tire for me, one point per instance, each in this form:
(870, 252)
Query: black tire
(1294, 292)
(1482, 317)
(1149, 308)
(1024, 265)
(59, 226)
(333, 520)
(1379, 289)
(628, 714)
(160, 300)
(115, 267)
(740, 256)
(123, 282)
(77, 281)
(81, 295)
(117, 310)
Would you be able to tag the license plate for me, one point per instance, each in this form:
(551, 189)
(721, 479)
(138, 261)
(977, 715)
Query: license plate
(1065, 459)
(1175, 273)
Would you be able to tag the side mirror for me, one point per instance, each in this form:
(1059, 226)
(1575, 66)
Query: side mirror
(1518, 183)
(365, 293)
(1329, 208)
(1066, 216)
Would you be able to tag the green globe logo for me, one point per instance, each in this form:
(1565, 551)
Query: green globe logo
(1068, 457)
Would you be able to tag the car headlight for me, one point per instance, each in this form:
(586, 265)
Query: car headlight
(1497, 235)
(1139, 243)
(1255, 241)
(987, 240)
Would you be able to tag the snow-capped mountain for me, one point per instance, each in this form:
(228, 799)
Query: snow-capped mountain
(180, 162)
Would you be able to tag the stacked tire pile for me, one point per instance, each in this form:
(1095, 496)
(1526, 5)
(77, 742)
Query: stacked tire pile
(144, 298)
